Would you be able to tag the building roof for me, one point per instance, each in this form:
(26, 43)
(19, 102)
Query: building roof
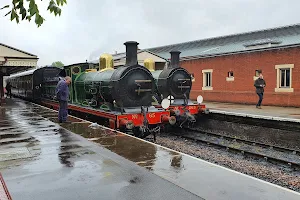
(13, 48)
(278, 37)
(30, 72)
(121, 56)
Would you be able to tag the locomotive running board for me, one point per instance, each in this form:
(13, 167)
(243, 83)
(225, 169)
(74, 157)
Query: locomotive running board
(4, 194)
(143, 90)
(181, 79)
(143, 81)
(184, 86)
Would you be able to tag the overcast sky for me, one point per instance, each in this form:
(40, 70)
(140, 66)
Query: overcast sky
(88, 28)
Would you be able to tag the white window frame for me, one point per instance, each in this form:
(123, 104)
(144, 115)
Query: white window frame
(278, 82)
(230, 78)
(204, 72)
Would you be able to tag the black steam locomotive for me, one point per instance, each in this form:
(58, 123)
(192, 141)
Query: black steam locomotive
(174, 84)
(120, 98)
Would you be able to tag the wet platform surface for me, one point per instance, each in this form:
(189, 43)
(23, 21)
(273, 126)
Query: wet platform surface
(41, 160)
(267, 112)
(61, 161)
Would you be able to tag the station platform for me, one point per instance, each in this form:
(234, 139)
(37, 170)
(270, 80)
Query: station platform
(267, 112)
(40, 159)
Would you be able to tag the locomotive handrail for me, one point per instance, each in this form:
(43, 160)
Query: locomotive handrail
(143, 81)
(184, 86)
(127, 73)
(143, 90)
(181, 79)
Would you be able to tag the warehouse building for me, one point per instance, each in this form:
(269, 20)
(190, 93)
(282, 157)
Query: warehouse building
(226, 67)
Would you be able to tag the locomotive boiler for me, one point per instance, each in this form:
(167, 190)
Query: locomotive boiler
(124, 87)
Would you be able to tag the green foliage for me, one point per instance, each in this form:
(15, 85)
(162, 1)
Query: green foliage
(58, 64)
(19, 12)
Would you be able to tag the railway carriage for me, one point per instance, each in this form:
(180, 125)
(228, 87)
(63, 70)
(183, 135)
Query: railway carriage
(35, 84)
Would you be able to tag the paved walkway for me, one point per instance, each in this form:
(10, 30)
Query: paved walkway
(266, 111)
(80, 161)
(40, 160)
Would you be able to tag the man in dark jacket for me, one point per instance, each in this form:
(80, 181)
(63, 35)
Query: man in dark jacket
(62, 95)
(8, 89)
(260, 84)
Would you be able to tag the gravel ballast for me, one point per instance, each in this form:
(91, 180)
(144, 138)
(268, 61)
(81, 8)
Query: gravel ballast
(256, 167)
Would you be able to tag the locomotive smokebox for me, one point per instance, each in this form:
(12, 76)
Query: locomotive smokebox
(131, 53)
(174, 59)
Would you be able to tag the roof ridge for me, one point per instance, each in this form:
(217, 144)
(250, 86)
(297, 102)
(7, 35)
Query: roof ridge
(225, 36)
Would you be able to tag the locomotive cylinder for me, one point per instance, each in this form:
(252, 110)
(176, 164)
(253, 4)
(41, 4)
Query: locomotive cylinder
(169, 119)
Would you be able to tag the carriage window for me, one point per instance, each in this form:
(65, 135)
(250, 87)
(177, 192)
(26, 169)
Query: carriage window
(76, 70)
(68, 72)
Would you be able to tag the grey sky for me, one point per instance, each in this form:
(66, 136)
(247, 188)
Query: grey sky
(88, 28)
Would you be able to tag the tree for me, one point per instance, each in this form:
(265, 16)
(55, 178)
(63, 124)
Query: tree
(18, 10)
(58, 64)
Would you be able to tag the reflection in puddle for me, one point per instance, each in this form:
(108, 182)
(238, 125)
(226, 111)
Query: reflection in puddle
(142, 153)
(48, 142)
(64, 150)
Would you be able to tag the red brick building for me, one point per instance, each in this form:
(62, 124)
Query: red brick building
(225, 68)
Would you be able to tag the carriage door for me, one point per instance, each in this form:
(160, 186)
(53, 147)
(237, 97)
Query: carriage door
(75, 70)
(37, 85)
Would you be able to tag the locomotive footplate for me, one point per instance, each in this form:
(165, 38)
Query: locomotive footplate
(193, 109)
(138, 118)
(130, 119)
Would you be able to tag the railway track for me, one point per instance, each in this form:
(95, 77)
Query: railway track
(270, 153)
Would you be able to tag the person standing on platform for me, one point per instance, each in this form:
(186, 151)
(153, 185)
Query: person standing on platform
(8, 89)
(62, 95)
(260, 84)
(1, 88)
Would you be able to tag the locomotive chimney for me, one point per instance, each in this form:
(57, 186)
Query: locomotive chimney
(131, 53)
(174, 59)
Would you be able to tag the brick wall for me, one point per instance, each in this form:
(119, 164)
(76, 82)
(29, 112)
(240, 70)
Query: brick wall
(241, 90)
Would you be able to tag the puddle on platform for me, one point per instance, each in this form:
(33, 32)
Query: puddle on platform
(142, 153)
(54, 147)
(25, 134)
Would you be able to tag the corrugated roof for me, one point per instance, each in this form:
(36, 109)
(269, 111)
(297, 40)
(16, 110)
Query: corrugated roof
(249, 41)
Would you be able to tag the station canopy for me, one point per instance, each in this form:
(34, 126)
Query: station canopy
(13, 60)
